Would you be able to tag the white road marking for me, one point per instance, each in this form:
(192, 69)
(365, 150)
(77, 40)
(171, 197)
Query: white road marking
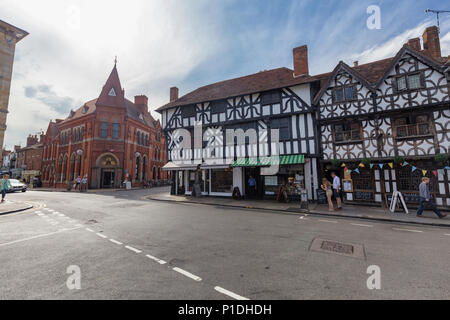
(50, 210)
(187, 274)
(38, 212)
(155, 259)
(446, 234)
(361, 225)
(78, 225)
(101, 235)
(230, 294)
(61, 215)
(115, 241)
(41, 214)
(329, 221)
(90, 230)
(44, 216)
(35, 237)
(133, 249)
(409, 230)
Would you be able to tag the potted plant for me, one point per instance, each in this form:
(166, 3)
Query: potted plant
(441, 157)
(336, 163)
(399, 159)
(366, 161)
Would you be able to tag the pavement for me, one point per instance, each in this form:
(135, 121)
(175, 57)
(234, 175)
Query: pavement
(120, 246)
(13, 206)
(348, 211)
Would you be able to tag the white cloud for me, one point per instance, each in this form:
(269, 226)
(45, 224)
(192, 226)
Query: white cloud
(72, 45)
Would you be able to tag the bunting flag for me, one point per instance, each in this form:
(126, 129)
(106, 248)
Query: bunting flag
(371, 165)
(362, 165)
(381, 166)
(424, 172)
(345, 169)
(405, 163)
(435, 173)
(349, 171)
(448, 168)
(441, 171)
(413, 169)
(356, 170)
(391, 164)
(343, 165)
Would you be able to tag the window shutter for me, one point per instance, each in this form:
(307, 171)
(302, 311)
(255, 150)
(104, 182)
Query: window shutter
(394, 85)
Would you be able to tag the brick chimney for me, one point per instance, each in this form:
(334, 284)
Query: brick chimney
(142, 103)
(31, 140)
(173, 94)
(300, 55)
(414, 44)
(17, 147)
(431, 43)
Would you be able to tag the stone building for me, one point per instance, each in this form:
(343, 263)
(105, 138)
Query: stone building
(110, 139)
(9, 36)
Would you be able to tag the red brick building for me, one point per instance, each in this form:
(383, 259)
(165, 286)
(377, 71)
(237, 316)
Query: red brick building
(109, 139)
(29, 158)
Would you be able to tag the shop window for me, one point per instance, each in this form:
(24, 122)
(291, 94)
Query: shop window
(363, 180)
(347, 132)
(412, 126)
(222, 181)
(410, 181)
(270, 97)
(218, 106)
(188, 111)
(103, 129)
(283, 125)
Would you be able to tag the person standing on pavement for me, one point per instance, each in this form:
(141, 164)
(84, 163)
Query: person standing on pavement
(84, 183)
(337, 189)
(425, 198)
(327, 187)
(5, 186)
(78, 183)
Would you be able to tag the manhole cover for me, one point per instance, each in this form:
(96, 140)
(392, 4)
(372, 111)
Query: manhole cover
(338, 247)
(92, 221)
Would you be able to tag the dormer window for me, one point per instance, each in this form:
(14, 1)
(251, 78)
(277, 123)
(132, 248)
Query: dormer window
(84, 109)
(344, 93)
(409, 82)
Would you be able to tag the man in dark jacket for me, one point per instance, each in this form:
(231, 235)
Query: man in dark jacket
(425, 198)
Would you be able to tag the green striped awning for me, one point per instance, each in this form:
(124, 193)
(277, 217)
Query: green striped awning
(267, 161)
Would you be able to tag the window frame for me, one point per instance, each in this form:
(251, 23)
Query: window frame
(276, 124)
(343, 89)
(188, 111)
(221, 105)
(264, 100)
(411, 120)
(406, 76)
(114, 126)
(347, 127)
(102, 130)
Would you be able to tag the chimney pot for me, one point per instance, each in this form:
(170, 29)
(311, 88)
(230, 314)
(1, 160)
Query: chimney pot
(300, 55)
(414, 44)
(355, 63)
(431, 42)
(173, 94)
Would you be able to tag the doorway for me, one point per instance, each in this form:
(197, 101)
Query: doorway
(107, 178)
(255, 172)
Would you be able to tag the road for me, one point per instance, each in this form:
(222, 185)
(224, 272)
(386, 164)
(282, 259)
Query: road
(129, 248)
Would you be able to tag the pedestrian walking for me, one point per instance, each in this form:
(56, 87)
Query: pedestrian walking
(425, 199)
(5, 185)
(327, 187)
(337, 189)
(78, 183)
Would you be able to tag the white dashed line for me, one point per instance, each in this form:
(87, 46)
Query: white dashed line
(230, 294)
(101, 235)
(446, 234)
(155, 259)
(409, 230)
(361, 225)
(36, 237)
(50, 210)
(115, 241)
(329, 221)
(90, 230)
(187, 274)
(61, 215)
(78, 225)
(133, 249)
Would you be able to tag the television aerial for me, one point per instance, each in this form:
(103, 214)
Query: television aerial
(437, 12)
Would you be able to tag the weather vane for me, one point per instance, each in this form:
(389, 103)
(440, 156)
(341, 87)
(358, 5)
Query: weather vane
(437, 15)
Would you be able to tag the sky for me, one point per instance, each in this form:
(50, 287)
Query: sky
(70, 51)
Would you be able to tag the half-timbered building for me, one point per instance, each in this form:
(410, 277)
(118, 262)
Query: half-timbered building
(385, 124)
(274, 99)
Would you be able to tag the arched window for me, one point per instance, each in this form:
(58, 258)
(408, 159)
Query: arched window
(138, 162)
(144, 169)
(138, 138)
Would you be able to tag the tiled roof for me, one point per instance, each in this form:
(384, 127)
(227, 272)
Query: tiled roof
(261, 81)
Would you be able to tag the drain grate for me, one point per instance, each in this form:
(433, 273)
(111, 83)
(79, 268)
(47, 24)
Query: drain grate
(337, 247)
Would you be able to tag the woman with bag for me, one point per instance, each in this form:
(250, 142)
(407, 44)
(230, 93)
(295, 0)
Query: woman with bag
(327, 187)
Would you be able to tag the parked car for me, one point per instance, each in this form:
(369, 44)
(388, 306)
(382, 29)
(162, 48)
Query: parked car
(16, 185)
